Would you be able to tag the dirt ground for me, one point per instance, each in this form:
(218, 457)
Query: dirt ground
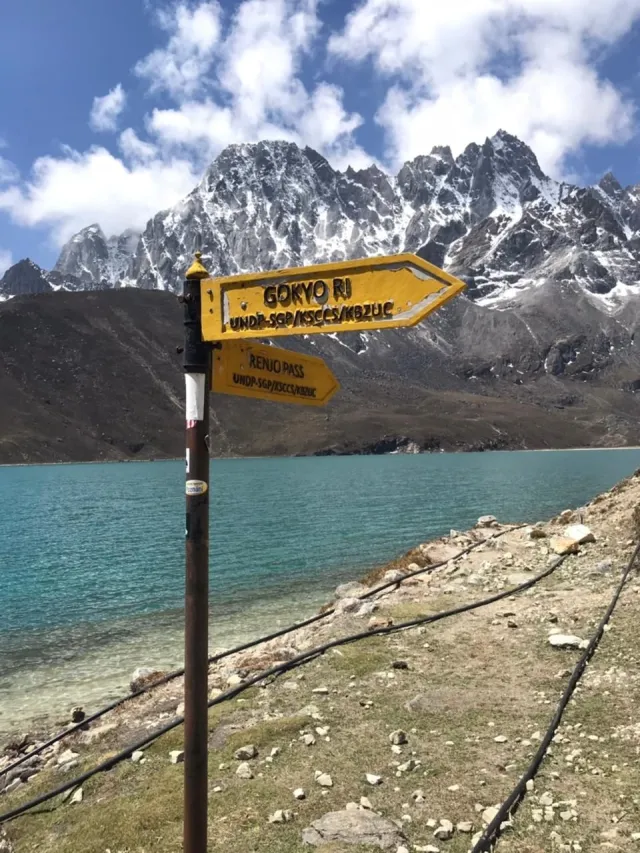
(473, 693)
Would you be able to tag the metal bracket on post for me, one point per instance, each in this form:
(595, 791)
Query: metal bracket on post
(197, 368)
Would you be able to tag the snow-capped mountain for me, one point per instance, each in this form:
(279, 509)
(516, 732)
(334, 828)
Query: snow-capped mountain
(490, 215)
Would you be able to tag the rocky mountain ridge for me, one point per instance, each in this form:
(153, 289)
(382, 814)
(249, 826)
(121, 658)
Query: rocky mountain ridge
(546, 331)
(489, 215)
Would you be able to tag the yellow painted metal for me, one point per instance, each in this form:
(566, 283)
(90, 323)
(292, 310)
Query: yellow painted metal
(350, 296)
(270, 373)
(197, 270)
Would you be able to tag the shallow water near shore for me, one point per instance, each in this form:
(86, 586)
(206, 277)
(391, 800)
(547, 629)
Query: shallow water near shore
(92, 564)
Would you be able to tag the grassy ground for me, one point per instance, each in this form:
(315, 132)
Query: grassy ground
(469, 679)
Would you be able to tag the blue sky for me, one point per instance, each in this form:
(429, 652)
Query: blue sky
(110, 110)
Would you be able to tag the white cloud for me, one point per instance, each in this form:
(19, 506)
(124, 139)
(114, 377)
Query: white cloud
(256, 77)
(69, 192)
(8, 171)
(135, 149)
(106, 110)
(179, 68)
(458, 72)
(6, 260)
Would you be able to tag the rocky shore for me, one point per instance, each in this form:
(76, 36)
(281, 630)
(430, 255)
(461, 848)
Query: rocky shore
(407, 742)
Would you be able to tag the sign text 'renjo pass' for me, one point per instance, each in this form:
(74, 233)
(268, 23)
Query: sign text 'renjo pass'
(270, 373)
(360, 295)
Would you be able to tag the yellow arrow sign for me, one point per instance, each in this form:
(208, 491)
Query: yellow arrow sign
(351, 296)
(271, 373)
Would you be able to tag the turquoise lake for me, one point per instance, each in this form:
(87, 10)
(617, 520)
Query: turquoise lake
(92, 556)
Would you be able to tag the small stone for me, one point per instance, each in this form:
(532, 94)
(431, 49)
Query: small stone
(352, 807)
(176, 756)
(324, 780)
(486, 521)
(275, 751)
(244, 771)
(430, 848)
(308, 740)
(408, 766)
(489, 814)
(320, 691)
(76, 797)
(77, 715)
(398, 737)
(137, 755)
(563, 545)
(566, 815)
(66, 756)
(322, 730)
(402, 849)
(354, 827)
(546, 799)
(500, 739)
(567, 641)
(580, 533)
(537, 533)
(444, 831)
(365, 802)
(512, 624)
(234, 680)
(245, 753)
(372, 779)
(400, 664)
(530, 785)
(464, 826)
(281, 816)
(299, 794)
(453, 788)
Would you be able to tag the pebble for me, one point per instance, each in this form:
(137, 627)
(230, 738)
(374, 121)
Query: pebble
(299, 794)
(400, 664)
(77, 715)
(245, 753)
(176, 756)
(567, 641)
(244, 771)
(465, 826)
(308, 740)
(67, 756)
(407, 766)
(77, 796)
(444, 831)
(453, 788)
(489, 813)
(365, 802)
(320, 691)
(137, 755)
(372, 779)
(281, 816)
(324, 780)
(398, 737)
(500, 739)
(402, 849)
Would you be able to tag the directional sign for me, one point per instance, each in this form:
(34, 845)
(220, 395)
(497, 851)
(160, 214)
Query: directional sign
(351, 296)
(271, 373)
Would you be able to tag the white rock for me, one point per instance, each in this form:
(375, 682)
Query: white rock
(299, 794)
(308, 740)
(444, 831)
(137, 755)
(372, 779)
(580, 533)
(281, 816)
(67, 756)
(234, 680)
(392, 575)
(320, 691)
(398, 737)
(324, 780)
(245, 753)
(567, 641)
(408, 766)
(402, 849)
(500, 739)
(489, 813)
(464, 826)
(365, 802)
(244, 771)
(486, 521)
(176, 756)
(76, 796)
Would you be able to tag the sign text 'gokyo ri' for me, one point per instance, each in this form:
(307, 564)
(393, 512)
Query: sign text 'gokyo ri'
(350, 296)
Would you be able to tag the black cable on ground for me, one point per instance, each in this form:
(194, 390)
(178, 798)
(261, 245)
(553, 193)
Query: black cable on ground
(278, 669)
(510, 805)
(176, 673)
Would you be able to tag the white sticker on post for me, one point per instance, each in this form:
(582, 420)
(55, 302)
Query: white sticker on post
(194, 391)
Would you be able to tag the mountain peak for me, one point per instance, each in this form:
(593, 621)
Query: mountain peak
(610, 184)
(24, 277)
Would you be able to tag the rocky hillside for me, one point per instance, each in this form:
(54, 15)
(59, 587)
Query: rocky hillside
(543, 342)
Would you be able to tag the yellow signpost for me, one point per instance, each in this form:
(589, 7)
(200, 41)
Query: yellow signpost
(270, 373)
(350, 296)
